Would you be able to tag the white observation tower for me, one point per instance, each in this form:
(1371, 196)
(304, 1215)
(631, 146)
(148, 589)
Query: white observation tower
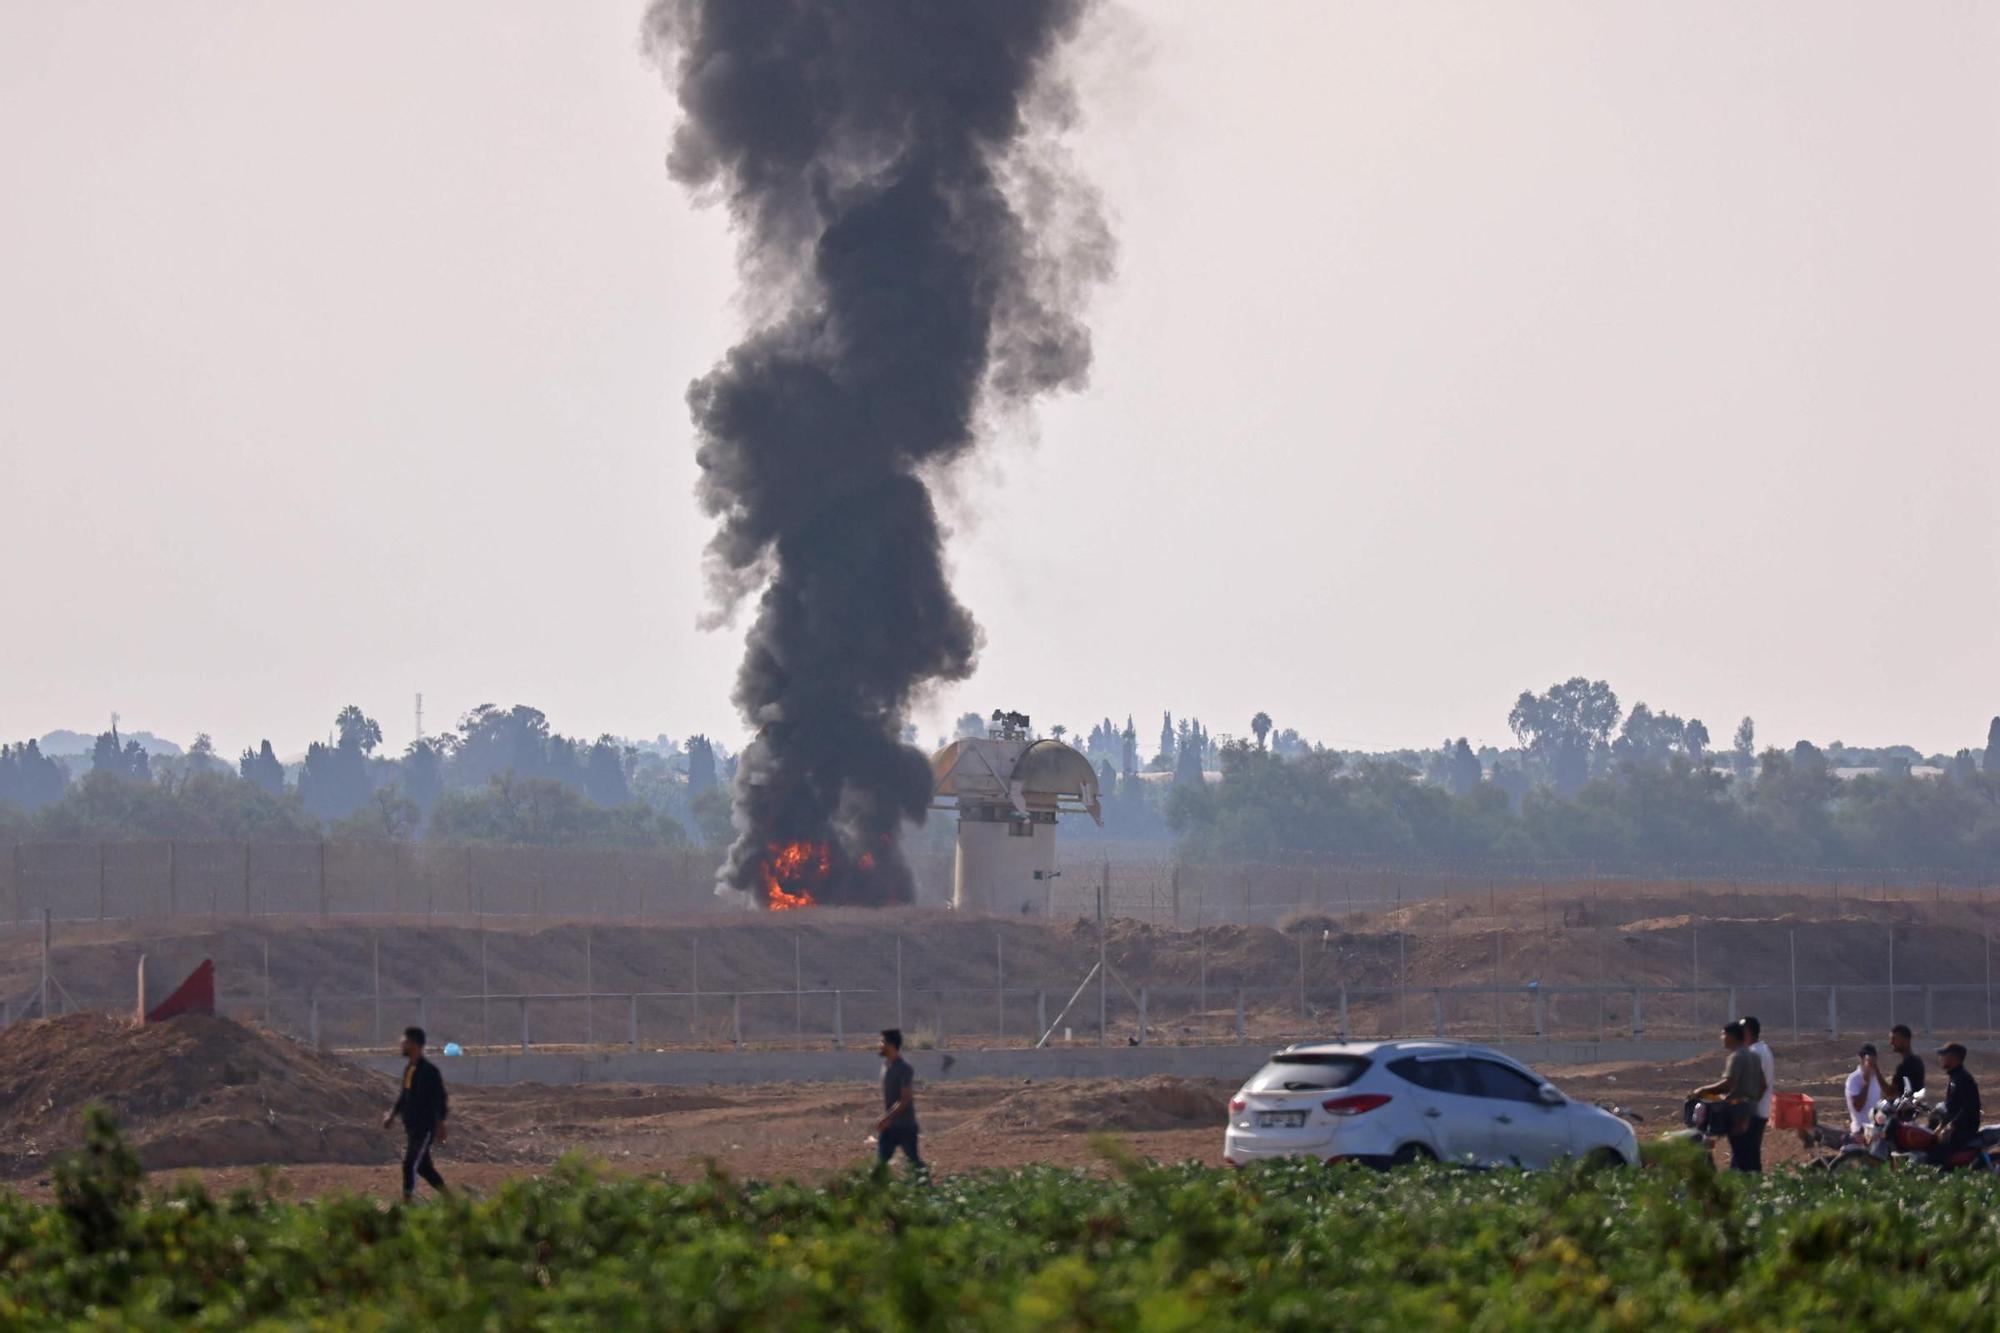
(1008, 788)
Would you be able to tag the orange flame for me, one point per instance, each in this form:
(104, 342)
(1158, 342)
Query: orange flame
(789, 868)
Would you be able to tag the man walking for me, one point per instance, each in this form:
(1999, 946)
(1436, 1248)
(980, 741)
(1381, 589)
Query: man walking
(1741, 1087)
(423, 1106)
(1760, 1119)
(898, 1126)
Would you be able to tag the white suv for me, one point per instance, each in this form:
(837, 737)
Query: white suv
(1392, 1102)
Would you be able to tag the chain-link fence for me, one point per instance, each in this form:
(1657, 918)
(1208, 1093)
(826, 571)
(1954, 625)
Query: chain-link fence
(109, 881)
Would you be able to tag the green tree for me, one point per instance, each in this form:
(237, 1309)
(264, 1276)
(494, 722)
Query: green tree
(29, 779)
(260, 768)
(606, 768)
(701, 765)
(389, 816)
(1562, 727)
(422, 772)
(713, 822)
(201, 756)
(356, 730)
(1463, 772)
(1260, 725)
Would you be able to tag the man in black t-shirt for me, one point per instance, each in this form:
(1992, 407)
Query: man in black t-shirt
(1909, 1073)
(898, 1126)
(1958, 1119)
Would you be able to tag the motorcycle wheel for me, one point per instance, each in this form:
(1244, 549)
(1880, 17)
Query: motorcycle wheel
(1852, 1161)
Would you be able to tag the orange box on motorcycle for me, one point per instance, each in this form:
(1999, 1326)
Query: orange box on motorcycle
(1792, 1110)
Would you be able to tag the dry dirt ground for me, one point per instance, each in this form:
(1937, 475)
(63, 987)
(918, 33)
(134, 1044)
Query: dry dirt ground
(236, 1107)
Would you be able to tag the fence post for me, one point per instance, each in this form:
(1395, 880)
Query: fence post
(1638, 1016)
(899, 981)
(1930, 1025)
(322, 877)
(938, 996)
(1142, 1015)
(1541, 1016)
(999, 988)
(424, 1012)
(267, 980)
(1041, 1011)
(173, 881)
(839, 1036)
(736, 1021)
(1437, 1010)
(1832, 1015)
(375, 955)
(589, 994)
(246, 879)
(1304, 1011)
(1734, 1013)
(1239, 1016)
(100, 878)
(524, 1025)
(1343, 1011)
(632, 1023)
(312, 1023)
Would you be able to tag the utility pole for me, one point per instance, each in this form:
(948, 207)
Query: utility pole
(1103, 995)
(420, 714)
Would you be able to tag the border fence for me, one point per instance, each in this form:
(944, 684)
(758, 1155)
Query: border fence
(633, 950)
(164, 880)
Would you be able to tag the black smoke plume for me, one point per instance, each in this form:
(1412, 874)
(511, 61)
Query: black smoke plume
(913, 252)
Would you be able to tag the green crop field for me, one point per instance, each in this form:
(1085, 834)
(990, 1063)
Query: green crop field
(1143, 1247)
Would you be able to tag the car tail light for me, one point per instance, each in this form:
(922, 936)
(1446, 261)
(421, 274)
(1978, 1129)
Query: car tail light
(1358, 1105)
(1236, 1104)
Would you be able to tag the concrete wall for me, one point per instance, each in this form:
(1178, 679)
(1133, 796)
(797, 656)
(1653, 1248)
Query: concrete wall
(858, 1066)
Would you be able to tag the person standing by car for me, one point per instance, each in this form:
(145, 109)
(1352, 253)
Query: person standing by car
(423, 1107)
(1761, 1119)
(898, 1126)
(1740, 1088)
(1909, 1076)
(1864, 1090)
(1958, 1121)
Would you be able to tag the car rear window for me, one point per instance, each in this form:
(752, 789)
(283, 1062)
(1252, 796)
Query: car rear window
(1308, 1071)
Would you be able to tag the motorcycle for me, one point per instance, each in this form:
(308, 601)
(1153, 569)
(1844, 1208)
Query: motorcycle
(1894, 1137)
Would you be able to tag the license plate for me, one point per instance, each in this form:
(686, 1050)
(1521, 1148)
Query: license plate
(1281, 1119)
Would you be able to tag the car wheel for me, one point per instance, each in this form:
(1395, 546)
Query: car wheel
(1410, 1154)
(1604, 1159)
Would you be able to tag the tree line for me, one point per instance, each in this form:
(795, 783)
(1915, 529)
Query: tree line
(503, 775)
(1586, 781)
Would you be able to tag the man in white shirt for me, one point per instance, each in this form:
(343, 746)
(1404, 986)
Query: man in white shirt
(1864, 1090)
(1762, 1119)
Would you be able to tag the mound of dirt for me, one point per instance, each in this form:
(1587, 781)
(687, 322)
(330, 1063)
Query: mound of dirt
(1128, 1105)
(195, 1091)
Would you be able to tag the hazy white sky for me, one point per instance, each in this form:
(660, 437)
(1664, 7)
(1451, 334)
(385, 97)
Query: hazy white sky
(1455, 348)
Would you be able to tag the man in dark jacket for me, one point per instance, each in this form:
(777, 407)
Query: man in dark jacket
(1958, 1122)
(423, 1105)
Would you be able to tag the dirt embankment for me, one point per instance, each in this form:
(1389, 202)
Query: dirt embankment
(196, 1091)
(1134, 1106)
